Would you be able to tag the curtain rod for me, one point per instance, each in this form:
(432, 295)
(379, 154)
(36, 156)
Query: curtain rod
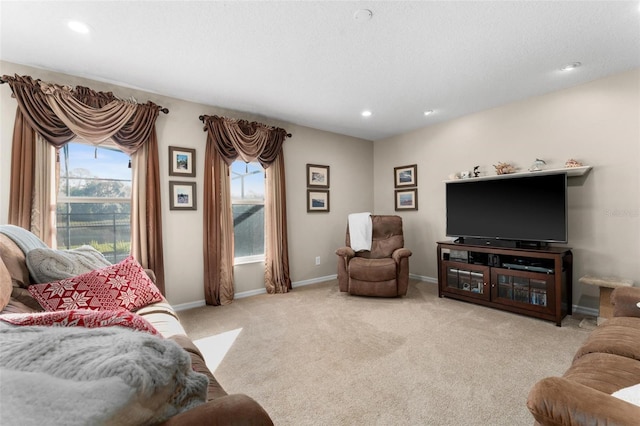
(160, 108)
(201, 118)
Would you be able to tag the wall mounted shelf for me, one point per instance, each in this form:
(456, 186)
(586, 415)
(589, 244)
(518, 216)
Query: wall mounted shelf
(570, 171)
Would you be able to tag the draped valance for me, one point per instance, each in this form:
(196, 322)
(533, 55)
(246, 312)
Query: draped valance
(60, 113)
(251, 141)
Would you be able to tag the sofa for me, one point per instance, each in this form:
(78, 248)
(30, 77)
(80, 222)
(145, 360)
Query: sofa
(602, 385)
(216, 408)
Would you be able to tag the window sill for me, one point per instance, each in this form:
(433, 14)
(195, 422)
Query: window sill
(248, 259)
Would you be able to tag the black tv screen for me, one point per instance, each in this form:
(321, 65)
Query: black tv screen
(529, 208)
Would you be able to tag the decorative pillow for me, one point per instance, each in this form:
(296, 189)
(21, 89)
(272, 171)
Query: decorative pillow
(82, 318)
(46, 265)
(124, 285)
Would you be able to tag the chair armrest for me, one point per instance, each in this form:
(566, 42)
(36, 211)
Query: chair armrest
(237, 409)
(345, 252)
(400, 253)
(558, 401)
(624, 301)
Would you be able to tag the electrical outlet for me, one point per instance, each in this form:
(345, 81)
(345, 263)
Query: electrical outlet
(317, 260)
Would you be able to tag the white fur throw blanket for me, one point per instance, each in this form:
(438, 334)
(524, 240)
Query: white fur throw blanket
(98, 376)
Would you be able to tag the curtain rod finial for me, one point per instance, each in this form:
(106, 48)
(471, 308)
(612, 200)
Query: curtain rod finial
(165, 110)
(201, 118)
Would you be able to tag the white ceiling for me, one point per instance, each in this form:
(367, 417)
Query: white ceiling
(311, 63)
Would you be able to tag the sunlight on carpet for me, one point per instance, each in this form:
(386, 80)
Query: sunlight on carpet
(214, 348)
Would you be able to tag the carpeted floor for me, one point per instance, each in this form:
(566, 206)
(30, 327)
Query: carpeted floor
(316, 356)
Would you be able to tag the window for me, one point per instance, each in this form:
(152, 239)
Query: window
(247, 202)
(94, 199)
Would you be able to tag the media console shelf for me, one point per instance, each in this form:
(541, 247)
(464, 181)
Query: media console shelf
(530, 281)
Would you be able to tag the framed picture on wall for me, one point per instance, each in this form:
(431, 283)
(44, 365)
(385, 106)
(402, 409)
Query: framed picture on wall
(317, 200)
(406, 199)
(317, 176)
(405, 176)
(182, 195)
(182, 162)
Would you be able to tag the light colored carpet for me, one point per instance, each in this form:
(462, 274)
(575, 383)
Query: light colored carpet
(316, 356)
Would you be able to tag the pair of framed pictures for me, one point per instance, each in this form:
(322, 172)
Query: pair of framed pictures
(317, 188)
(182, 195)
(406, 192)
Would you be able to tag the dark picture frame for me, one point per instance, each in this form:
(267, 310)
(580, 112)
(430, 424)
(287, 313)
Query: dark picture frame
(182, 162)
(317, 176)
(406, 199)
(317, 200)
(405, 176)
(182, 196)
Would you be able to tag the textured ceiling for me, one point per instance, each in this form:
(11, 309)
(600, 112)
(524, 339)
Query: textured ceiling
(313, 64)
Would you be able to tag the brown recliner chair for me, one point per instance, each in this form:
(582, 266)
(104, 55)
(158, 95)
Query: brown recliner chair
(383, 271)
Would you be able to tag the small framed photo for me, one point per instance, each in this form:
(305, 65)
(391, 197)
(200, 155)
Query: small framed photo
(405, 176)
(182, 162)
(182, 195)
(317, 176)
(406, 199)
(317, 200)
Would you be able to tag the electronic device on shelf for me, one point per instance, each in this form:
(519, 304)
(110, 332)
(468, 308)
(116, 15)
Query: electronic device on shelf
(527, 267)
(515, 212)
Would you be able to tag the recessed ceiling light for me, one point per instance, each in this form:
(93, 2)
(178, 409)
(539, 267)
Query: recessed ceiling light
(79, 27)
(366, 113)
(428, 112)
(570, 66)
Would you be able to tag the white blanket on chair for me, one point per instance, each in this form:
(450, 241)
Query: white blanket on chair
(360, 231)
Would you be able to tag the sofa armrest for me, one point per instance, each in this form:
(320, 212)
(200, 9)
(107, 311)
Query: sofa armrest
(625, 301)
(400, 253)
(345, 252)
(558, 401)
(237, 409)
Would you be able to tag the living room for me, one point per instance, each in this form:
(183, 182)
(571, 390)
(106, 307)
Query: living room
(595, 122)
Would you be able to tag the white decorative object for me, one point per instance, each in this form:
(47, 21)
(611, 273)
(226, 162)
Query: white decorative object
(537, 165)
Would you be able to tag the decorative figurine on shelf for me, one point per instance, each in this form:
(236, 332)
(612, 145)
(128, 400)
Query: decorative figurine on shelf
(537, 165)
(476, 172)
(573, 163)
(504, 168)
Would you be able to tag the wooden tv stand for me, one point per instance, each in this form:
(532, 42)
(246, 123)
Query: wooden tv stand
(529, 281)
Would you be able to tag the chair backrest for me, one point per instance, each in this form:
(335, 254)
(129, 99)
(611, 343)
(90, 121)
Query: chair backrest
(387, 237)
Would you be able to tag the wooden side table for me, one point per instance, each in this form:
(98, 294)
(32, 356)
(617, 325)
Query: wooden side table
(606, 284)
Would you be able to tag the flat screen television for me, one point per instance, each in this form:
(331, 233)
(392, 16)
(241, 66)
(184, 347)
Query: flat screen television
(530, 209)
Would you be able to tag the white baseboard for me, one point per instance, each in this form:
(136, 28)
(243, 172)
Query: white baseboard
(314, 280)
(576, 309)
(423, 278)
(583, 310)
(249, 293)
(189, 305)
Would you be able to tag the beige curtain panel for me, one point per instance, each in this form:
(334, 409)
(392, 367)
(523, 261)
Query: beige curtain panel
(59, 114)
(227, 140)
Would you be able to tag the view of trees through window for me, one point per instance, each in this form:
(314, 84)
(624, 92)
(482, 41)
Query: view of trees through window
(94, 200)
(247, 199)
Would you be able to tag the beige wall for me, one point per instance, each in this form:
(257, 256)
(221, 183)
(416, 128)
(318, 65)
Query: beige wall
(310, 234)
(597, 123)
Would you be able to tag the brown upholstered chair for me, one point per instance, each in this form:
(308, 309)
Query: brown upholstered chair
(383, 271)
